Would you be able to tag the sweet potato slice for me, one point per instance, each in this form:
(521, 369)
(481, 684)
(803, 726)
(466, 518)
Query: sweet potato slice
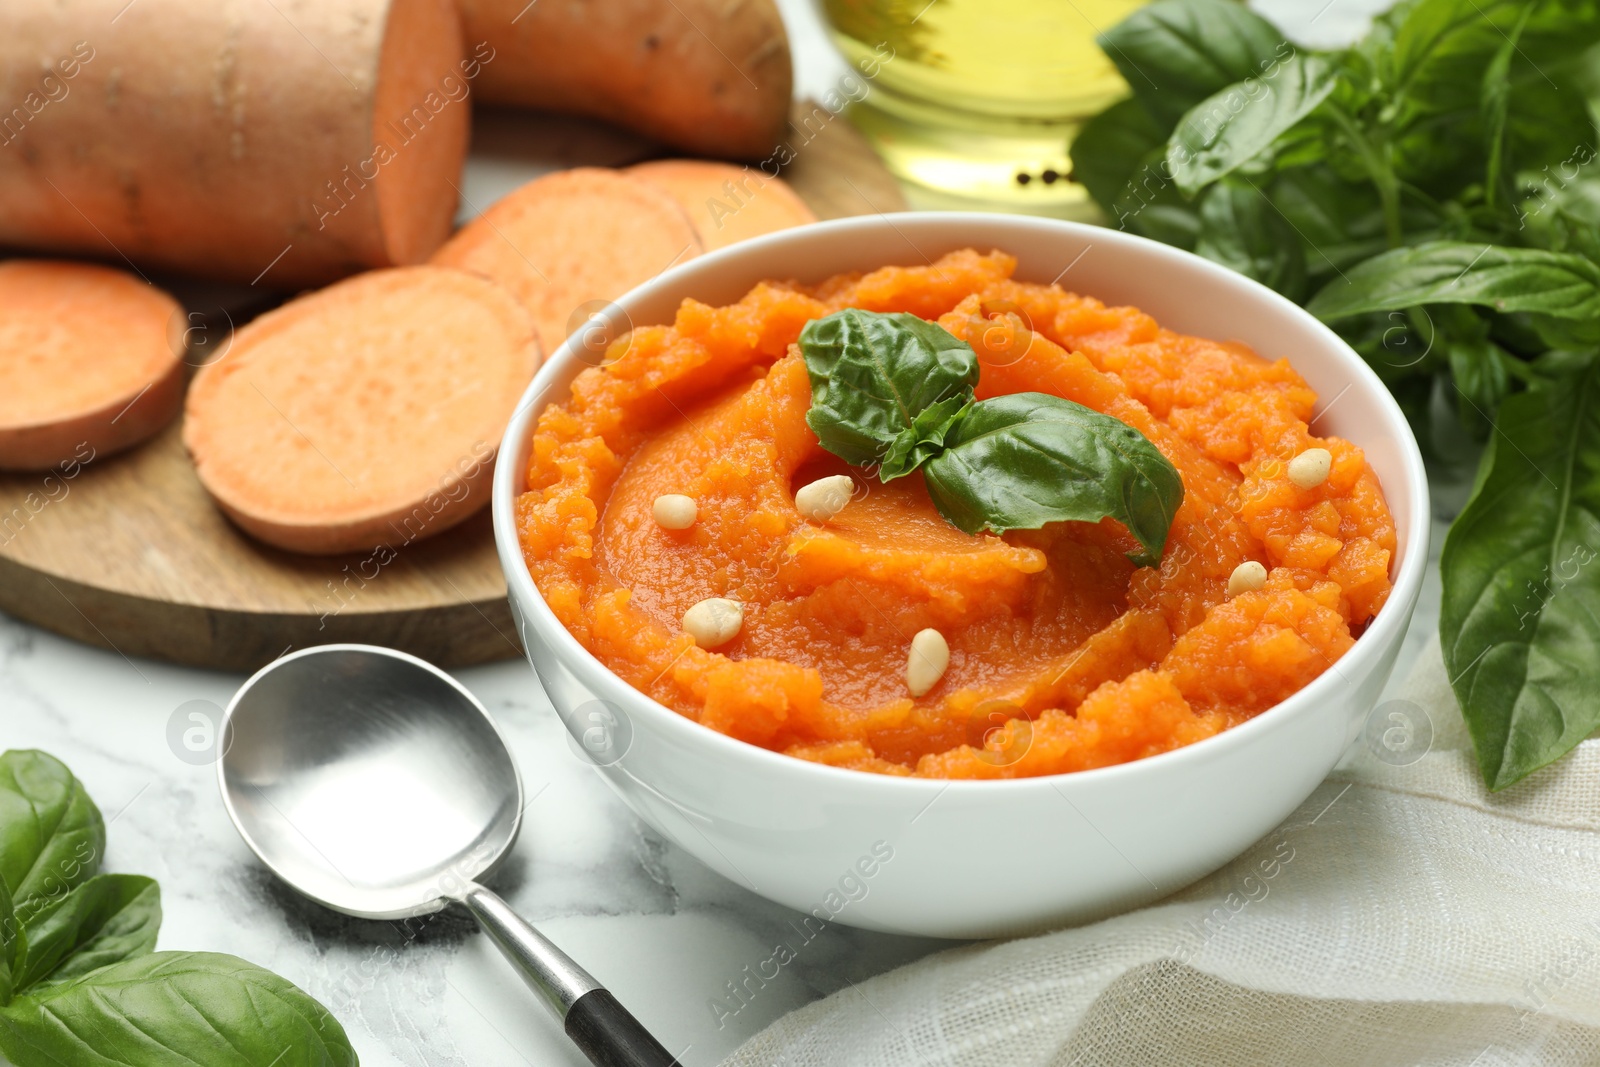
(726, 203)
(568, 242)
(88, 362)
(364, 415)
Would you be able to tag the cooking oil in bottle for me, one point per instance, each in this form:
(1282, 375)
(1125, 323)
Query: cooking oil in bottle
(981, 99)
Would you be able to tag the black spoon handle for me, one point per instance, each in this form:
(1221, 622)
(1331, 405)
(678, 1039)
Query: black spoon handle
(605, 1032)
(601, 1028)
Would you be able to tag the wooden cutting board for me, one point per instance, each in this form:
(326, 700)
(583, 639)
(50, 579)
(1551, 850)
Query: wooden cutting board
(131, 555)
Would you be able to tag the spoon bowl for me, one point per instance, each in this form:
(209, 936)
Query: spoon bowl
(369, 780)
(375, 784)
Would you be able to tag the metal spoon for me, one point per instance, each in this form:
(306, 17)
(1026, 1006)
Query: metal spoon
(373, 783)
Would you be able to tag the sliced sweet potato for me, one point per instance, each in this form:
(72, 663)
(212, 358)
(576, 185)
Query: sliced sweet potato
(726, 203)
(568, 242)
(88, 364)
(363, 415)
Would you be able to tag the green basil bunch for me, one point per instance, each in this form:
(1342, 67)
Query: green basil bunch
(79, 982)
(895, 392)
(1433, 192)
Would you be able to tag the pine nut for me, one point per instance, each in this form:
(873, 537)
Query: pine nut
(1247, 577)
(1310, 468)
(824, 498)
(674, 511)
(928, 660)
(714, 621)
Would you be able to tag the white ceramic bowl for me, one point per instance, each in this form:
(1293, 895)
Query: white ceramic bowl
(980, 859)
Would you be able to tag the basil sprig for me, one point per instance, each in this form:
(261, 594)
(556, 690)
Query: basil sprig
(1432, 192)
(896, 391)
(79, 982)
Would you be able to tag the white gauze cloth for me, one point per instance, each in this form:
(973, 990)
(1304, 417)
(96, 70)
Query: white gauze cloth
(1403, 915)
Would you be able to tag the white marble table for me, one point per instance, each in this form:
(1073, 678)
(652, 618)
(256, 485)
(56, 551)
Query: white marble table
(661, 930)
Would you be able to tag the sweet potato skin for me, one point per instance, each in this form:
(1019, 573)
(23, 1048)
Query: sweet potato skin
(112, 428)
(368, 532)
(711, 77)
(232, 140)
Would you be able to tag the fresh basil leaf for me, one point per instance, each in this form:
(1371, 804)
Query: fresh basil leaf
(872, 374)
(1170, 223)
(172, 1008)
(1302, 145)
(1516, 335)
(1496, 104)
(1557, 366)
(1339, 222)
(1482, 379)
(1019, 461)
(1458, 272)
(1405, 360)
(1560, 211)
(1520, 615)
(1121, 157)
(1439, 49)
(1240, 229)
(1175, 53)
(12, 945)
(1152, 207)
(1550, 130)
(1225, 131)
(1397, 345)
(1560, 331)
(51, 834)
(1112, 147)
(1440, 154)
(1533, 113)
(923, 439)
(108, 919)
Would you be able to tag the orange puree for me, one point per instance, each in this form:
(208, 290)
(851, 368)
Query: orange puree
(1063, 655)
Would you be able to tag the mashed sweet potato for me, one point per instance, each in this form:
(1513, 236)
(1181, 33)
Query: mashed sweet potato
(1063, 655)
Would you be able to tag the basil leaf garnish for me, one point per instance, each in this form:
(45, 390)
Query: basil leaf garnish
(51, 833)
(1019, 461)
(1008, 463)
(170, 1008)
(923, 439)
(872, 374)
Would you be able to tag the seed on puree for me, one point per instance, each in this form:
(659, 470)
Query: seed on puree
(1059, 653)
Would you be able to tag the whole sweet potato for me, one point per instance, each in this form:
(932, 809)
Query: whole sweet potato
(712, 77)
(286, 141)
